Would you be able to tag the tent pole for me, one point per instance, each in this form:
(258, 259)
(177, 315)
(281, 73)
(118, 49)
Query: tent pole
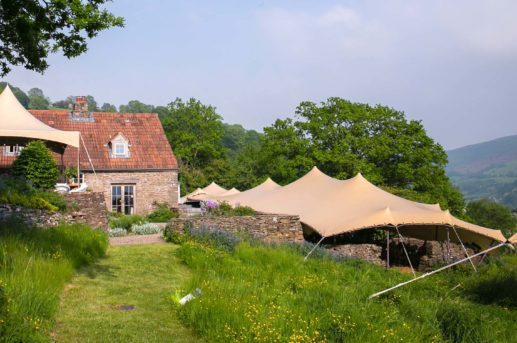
(405, 251)
(78, 171)
(464, 249)
(448, 243)
(88, 155)
(314, 248)
(483, 257)
(434, 271)
(387, 249)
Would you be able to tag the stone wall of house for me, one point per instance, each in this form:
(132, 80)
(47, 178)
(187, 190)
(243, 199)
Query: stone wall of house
(150, 187)
(424, 255)
(85, 208)
(267, 227)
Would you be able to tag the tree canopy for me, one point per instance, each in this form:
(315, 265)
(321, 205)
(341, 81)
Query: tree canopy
(107, 107)
(135, 106)
(194, 131)
(344, 138)
(486, 212)
(30, 30)
(38, 100)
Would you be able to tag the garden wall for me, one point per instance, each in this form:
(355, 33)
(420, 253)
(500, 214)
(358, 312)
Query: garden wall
(86, 208)
(267, 227)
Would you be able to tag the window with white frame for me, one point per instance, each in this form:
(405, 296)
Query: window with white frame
(12, 150)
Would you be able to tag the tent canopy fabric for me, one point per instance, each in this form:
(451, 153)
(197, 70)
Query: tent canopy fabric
(331, 207)
(208, 193)
(214, 189)
(234, 198)
(16, 121)
(513, 239)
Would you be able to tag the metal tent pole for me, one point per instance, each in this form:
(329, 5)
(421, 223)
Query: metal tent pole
(464, 249)
(434, 271)
(314, 248)
(88, 155)
(405, 251)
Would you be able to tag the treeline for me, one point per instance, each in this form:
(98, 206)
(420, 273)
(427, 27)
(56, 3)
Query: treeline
(340, 137)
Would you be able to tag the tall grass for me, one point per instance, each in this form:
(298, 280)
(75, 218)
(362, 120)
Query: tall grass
(258, 293)
(34, 266)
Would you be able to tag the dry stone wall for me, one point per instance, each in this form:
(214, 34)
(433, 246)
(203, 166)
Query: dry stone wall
(267, 227)
(85, 208)
(424, 255)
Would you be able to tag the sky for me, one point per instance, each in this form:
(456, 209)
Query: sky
(450, 64)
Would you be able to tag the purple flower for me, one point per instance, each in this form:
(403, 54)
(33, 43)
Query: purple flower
(211, 204)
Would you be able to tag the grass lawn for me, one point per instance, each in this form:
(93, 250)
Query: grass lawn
(143, 276)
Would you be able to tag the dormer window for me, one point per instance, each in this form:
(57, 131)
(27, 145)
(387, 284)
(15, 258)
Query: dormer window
(119, 147)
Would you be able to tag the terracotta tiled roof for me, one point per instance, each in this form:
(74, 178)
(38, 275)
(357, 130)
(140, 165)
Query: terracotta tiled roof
(149, 147)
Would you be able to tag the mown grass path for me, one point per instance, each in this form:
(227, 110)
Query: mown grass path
(142, 276)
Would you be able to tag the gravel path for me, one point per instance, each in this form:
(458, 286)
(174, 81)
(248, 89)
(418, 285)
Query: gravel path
(137, 239)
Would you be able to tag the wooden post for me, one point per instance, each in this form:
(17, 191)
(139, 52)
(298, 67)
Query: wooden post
(448, 245)
(387, 249)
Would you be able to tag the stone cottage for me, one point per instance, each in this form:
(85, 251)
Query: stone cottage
(133, 163)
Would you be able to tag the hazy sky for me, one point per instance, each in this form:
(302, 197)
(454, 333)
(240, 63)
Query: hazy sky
(451, 64)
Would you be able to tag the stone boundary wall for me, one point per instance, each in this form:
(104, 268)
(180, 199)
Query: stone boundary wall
(267, 227)
(85, 208)
(424, 255)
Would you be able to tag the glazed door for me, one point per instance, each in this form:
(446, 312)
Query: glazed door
(123, 199)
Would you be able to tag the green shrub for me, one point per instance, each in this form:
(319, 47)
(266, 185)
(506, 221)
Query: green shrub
(226, 210)
(19, 191)
(145, 229)
(172, 236)
(34, 266)
(117, 232)
(53, 198)
(125, 221)
(35, 163)
(162, 214)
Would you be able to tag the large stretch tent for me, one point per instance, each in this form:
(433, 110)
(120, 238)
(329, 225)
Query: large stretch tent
(331, 207)
(16, 121)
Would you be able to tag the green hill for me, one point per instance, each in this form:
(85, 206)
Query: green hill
(486, 170)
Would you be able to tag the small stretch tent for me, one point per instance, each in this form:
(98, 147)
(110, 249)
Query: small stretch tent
(206, 193)
(16, 121)
(235, 197)
(331, 207)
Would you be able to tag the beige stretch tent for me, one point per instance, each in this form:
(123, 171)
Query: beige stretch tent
(16, 121)
(206, 193)
(513, 239)
(202, 196)
(261, 190)
(331, 207)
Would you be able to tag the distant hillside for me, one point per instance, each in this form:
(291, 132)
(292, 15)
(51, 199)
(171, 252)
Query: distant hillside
(487, 170)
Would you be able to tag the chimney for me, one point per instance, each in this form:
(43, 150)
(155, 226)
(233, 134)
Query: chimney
(80, 110)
